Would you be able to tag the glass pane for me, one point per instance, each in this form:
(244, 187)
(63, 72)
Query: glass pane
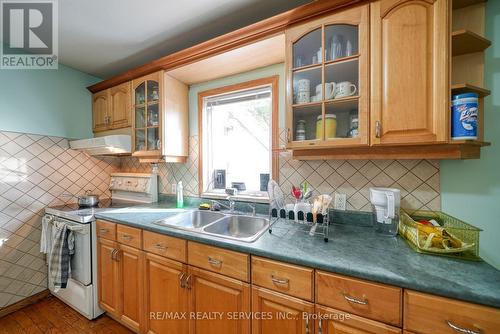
(139, 117)
(153, 115)
(140, 94)
(305, 120)
(153, 91)
(153, 139)
(343, 121)
(341, 79)
(307, 50)
(140, 140)
(307, 86)
(341, 41)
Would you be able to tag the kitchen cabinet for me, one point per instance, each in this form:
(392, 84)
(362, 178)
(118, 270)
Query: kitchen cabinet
(331, 321)
(108, 276)
(111, 108)
(100, 110)
(226, 299)
(165, 292)
(160, 121)
(279, 313)
(409, 72)
(120, 105)
(130, 285)
(328, 80)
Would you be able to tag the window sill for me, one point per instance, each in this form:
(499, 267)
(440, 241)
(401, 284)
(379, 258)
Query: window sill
(239, 198)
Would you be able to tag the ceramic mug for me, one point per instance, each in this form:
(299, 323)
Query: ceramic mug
(345, 88)
(303, 85)
(330, 90)
(303, 97)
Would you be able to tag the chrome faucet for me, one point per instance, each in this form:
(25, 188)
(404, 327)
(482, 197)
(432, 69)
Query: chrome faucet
(230, 207)
(251, 206)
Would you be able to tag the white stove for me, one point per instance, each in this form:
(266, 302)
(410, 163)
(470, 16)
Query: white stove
(127, 189)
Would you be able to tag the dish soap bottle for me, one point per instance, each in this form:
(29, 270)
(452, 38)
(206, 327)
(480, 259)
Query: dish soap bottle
(180, 195)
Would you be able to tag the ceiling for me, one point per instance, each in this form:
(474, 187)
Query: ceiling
(107, 37)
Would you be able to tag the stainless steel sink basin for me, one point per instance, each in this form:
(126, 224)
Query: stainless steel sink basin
(242, 228)
(191, 220)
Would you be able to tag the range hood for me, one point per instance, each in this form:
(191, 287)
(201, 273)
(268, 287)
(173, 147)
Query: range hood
(106, 145)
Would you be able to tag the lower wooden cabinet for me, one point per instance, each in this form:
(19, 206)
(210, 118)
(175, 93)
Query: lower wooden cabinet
(278, 313)
(130, 264)
(108, 273)
(225, 300)
(331, 321)
(165, 296)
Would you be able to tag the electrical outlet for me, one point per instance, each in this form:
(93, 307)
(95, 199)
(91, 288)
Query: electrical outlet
(340, 201)
(174, 188)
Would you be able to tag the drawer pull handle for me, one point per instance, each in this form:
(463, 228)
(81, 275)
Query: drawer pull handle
(214, 262)
(461, 330)
(127, 237)
(160, 246)
(355, 300)
(282, 281)
(103, 230)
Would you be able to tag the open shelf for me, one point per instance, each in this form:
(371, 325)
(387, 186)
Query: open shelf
(465, 41)
(464, 3)
(467, 88)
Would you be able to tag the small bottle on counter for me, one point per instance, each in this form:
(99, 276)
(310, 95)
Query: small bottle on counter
(180, 195)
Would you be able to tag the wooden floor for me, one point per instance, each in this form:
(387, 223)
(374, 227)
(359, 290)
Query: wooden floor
(51, 316)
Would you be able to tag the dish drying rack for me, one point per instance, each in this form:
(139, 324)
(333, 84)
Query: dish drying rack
(320, 227)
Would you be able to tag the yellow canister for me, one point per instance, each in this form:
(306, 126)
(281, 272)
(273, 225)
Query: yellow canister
(330, 126)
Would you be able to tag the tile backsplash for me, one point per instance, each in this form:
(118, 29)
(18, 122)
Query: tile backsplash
(34, 172)
(418, 179)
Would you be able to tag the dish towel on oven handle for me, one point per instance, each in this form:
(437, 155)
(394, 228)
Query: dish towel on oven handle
(63, 247)
(46, 236)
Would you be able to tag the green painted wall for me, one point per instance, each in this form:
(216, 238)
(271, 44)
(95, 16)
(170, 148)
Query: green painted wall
(470, 190)
(46, 102)
(277, 69)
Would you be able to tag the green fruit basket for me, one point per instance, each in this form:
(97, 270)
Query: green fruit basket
(435, 240)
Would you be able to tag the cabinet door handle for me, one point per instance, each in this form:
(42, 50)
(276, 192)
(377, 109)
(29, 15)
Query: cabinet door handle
(307, 324)
(355, 300)
(281, 281)
(214, 262)
(113, 254)
(117, 256)
(320, 326)
(288, 135)
(461, 330)
(378, 129)
(181, 280)
(188, 282)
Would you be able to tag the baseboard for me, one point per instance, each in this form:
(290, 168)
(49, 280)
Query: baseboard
(23, 303)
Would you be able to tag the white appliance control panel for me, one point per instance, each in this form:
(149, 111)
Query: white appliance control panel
(141, 187)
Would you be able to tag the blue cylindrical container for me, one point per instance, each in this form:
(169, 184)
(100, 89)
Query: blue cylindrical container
(464, 114)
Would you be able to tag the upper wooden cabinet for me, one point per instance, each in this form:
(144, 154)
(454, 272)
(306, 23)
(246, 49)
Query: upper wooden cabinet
(327, 81)
(160, 122)
(111, 108)
(409, 72)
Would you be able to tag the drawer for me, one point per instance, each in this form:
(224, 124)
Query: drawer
(106, 230)
(370, 300)
(165, 245)
(282, 277)
(425, 313)
(129, 236)
(222, 261)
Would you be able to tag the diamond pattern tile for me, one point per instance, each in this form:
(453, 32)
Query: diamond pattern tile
(34, 172)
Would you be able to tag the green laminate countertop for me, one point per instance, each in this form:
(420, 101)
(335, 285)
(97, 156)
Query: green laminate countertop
(352, 250)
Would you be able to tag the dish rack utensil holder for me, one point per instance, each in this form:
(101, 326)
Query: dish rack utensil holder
(320, 227)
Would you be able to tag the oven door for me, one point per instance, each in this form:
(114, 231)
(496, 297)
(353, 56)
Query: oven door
(81, 261)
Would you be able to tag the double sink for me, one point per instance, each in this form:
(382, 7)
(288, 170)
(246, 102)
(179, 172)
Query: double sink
(229, 226)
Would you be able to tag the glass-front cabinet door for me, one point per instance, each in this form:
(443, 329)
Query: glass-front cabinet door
(147, 115)
(327, 81)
